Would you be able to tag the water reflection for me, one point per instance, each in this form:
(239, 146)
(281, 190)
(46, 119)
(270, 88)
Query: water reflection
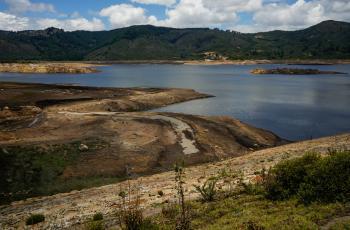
(294, 107)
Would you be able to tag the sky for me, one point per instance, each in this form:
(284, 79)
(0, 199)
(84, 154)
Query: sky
(238, 15)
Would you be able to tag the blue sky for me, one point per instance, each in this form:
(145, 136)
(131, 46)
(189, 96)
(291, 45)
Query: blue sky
(240, 15)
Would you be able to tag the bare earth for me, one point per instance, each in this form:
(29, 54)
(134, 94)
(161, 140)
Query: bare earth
(74, 68)
(134, 142)
(72, 209)
(116, 138)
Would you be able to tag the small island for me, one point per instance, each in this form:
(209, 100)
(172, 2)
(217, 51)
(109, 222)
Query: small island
(293, 71)
(72, 68)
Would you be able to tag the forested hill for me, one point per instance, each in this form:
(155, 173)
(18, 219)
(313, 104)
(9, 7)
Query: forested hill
(327, 40)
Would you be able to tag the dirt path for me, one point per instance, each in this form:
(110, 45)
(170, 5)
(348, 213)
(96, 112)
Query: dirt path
(180, 127)
(72, 209)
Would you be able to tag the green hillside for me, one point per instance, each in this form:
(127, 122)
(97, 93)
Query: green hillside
(327, 40)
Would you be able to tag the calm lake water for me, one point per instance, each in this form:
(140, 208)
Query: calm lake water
(294, 107)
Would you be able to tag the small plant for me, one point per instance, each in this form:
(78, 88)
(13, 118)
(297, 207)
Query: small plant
(184, 221)
(95, 225)
(170, 211)
(97, 217)
(130, 214)
(160, 193)
(35, 218)
(250, 225)
(208, 189)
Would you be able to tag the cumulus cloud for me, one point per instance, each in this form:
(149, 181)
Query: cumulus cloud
(299, 15)
(122, 15)
(233, 5)
(156, 2)
(259, 15)
(195, 13)
(12, 22)
(20, 6)
(71, 24)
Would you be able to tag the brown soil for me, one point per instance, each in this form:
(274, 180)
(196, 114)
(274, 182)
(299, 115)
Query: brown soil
(135, 142)
(73, 68)
(71, 210)
(288, 71)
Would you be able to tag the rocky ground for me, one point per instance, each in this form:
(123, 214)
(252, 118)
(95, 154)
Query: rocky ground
(55, 139)
(59, 138)
(74, 68)
(289, 71)
(71, 210)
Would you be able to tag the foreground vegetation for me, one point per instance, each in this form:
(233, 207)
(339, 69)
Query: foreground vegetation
(29, 171)
(305, 193)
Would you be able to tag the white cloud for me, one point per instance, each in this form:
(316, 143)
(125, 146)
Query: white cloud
(20, 6)
(300, 13)
(12, 22)
(156, 2)
(265, 14)
(233, 5)
(198, 13)
(123, 15)
(71, 24)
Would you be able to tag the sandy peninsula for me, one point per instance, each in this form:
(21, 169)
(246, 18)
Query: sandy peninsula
(51, 67)
(292, 71)
(62, 137)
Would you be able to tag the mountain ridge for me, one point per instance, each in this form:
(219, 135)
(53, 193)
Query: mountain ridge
(326, 40)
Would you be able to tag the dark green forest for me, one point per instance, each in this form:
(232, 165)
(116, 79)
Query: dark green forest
(327, 40)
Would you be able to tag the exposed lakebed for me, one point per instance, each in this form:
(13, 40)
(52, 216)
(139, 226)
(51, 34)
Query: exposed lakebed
(293, 107)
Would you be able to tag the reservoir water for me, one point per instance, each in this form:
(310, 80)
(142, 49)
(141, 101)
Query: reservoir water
(294, 107)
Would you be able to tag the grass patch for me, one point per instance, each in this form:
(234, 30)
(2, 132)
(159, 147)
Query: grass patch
(35, 219)
(29, 171)
(97, 216)
(256, 212)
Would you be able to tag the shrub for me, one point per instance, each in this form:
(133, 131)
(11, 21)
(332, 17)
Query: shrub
(184, 220)
(97, 216)
(170, 211)
(160, 193)
(250, 225)
(95, 225)
(133, 219)
(129, 213)
(34, 219)
(311, 178)
(208, 189)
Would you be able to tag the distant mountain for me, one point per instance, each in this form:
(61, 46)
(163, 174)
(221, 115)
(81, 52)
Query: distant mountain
(327, 40)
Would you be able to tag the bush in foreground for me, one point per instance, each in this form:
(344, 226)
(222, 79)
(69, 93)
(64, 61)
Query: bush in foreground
(311, 178)
(34, 219)
(97, 216)
(208, 190)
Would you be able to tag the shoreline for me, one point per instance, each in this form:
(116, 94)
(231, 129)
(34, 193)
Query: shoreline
(108, 133)
(91, 63)
(48, 68)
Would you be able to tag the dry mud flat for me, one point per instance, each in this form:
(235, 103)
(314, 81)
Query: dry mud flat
(52, 135)
(57, 138)
(73, 68)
